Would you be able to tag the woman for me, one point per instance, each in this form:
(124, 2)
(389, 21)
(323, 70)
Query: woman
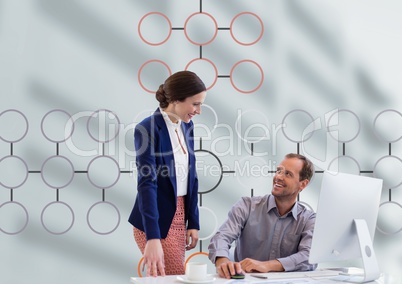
(165, 214)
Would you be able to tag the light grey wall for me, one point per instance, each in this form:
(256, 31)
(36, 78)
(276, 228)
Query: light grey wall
(64, 206)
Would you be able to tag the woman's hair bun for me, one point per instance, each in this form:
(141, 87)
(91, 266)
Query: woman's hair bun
(161, 97)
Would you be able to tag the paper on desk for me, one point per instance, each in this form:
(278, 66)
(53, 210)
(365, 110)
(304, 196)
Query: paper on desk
(285, 281)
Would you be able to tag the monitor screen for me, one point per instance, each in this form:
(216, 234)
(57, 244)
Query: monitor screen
(345, 198)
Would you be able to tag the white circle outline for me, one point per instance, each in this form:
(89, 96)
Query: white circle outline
(376, 132)
(216, 223)
(26, 214)
(283, 128)
(385, 157)
(118, 219)
(70, 119)
(220, 166)
(118, 172)
(106, 111)
(43, 212)
(389, 233)
(345, 156)
(43, 175)
(330, 132)
(26, 122)
(26, 175)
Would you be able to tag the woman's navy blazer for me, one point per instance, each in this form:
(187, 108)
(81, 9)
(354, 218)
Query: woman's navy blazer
(156, 200)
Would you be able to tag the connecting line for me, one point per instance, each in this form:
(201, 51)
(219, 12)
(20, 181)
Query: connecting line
(103, 194)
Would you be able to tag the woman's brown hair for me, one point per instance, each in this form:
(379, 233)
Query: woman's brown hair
(178, 87)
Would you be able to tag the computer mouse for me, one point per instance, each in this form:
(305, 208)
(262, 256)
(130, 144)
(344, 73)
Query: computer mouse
(237, 276)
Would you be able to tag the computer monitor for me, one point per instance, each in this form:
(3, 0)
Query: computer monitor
(346, 221)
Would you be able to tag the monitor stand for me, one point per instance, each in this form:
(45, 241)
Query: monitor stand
(370, 264)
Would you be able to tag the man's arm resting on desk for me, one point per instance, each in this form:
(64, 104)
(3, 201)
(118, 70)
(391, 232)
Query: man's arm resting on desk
(225, 267)
(252, 265)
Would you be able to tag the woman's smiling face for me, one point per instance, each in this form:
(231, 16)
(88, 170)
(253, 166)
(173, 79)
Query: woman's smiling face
(187, 109)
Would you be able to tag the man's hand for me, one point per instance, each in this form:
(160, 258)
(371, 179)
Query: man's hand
(252, 265)
(226, 268)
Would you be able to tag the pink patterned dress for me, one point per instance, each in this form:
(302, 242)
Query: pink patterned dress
(173, 245)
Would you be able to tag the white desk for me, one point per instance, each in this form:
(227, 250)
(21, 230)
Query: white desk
(318, 276)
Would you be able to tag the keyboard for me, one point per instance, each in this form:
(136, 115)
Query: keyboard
(301, 274)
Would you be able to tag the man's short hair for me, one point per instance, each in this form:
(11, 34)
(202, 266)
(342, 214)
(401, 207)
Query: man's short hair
(307, 171)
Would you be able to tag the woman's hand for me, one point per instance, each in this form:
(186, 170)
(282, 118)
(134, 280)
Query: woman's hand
(153, 258)
(191, 239)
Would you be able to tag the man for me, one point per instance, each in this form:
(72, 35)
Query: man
(272, 232)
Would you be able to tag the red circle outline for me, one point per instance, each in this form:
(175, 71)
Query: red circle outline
(143, 65)
(259, 67)
(216, 28)
(139, 267)
(159, 43)
(192, 255)
(213, 65)
(242, 43)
